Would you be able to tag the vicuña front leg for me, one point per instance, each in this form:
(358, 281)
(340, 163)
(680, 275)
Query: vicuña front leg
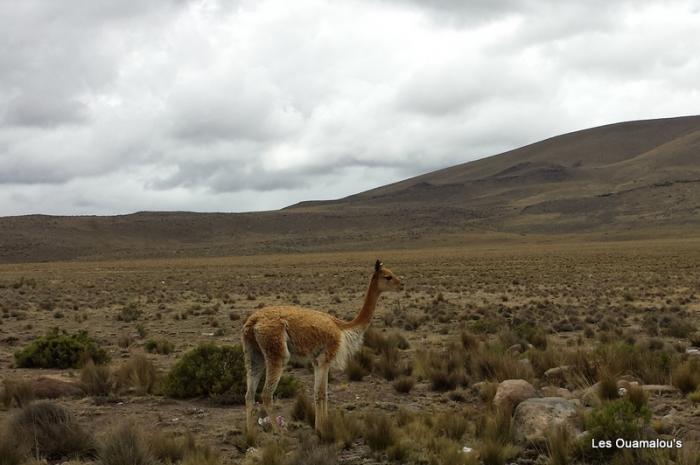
(321, 395)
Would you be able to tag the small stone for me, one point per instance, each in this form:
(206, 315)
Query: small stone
(511, 392)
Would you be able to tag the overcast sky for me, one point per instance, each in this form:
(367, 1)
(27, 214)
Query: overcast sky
(111, 107)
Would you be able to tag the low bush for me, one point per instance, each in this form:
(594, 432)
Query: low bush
(159, 346)
(287, 387)
(209, 371)
(615, 419)
(60, 350)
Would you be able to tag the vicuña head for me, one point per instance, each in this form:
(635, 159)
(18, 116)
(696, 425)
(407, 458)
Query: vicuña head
(273, 335)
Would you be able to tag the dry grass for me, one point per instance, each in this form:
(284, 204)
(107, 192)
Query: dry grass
(16, 393)
(47, 430)
(467, 316)
(138, 374)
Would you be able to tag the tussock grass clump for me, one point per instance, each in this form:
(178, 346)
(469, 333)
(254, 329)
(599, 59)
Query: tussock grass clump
(404, 384)
(452, 425)
(379, 432)
(340, 429)
(560, 446)
(60, 350)
(96, 380)
(11, 453)
(638, 397)
(125, 445)
(159, 346)
(16, 392)
(311, 452)
(355, 371)
(47, 430)
(209, 371)
(129, 313)
(169, 448)
(303, 409)
(686, 376)
(496, 439)
(137, 374)
(607, 387)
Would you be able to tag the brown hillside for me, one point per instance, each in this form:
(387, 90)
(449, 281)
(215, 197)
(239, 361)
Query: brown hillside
(632, 179)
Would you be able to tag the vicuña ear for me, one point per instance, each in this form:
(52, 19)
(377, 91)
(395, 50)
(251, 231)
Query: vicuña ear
(378, 265)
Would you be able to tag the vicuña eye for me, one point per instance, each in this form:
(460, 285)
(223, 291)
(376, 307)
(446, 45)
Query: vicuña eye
(388, 278)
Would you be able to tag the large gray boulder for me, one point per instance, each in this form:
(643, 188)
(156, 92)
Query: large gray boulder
(511, 392)
(534, 418)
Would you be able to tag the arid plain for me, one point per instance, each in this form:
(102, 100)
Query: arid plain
(593, 323)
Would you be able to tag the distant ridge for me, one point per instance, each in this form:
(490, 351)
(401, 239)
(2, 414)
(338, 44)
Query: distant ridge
(624, 180)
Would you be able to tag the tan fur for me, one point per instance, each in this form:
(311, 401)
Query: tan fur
(273, 335)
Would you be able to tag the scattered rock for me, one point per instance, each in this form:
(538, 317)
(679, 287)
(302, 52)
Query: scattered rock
(557, 375)
(626, 384)
(693, 352)
(660, 389)
(534, 417)
(511, 392)
(515, 349)
(553, 391)
(390, 406)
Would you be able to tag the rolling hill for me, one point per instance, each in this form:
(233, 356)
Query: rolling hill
(625, 180)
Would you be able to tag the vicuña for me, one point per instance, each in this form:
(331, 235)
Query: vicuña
(273, 335)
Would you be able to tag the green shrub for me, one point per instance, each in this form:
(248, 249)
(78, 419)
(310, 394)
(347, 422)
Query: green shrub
(613, 420)
(287, 387)
(209, 371)
(60, 350)
(159, 346)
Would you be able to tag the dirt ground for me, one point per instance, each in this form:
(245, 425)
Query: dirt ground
(578, 294)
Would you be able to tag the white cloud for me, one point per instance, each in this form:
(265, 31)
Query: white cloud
(205, 105)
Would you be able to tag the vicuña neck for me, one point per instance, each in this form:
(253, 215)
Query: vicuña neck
(363, 319)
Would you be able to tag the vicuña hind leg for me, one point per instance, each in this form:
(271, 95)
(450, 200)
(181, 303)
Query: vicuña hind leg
(273, 373)
(255, 368)
(273, 343)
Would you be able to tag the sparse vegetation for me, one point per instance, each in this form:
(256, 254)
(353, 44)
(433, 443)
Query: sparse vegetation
(58, 349)
(159, 346)
(431, 364)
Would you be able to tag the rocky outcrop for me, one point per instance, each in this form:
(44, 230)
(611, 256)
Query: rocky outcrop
(511, 392)
(534, 418)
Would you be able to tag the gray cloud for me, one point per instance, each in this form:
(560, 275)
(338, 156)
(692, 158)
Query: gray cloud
(111, 107)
